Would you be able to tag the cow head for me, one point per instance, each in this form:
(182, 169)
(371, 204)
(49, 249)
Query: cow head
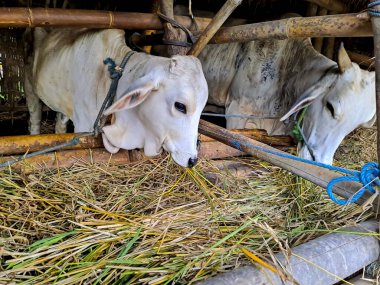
(159, 110)
(341, 101)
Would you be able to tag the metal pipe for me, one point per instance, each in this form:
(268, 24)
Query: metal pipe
(317, 262)
(318, 175)
(218, 20)
(39, 17)
(376, 41)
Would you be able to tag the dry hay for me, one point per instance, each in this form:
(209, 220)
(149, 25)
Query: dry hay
(153, 222)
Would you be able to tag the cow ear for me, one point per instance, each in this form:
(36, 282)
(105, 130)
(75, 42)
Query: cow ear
(132, 98)
(305, 100)
(344, 61)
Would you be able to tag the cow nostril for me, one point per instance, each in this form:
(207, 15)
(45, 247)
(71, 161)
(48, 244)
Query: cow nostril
(192, 162)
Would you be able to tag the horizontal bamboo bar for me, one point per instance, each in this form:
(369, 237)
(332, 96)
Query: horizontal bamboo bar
(40, 17)
(331, 5)
(342, 25)
(318, 175)
(11, 145)
(362, 60)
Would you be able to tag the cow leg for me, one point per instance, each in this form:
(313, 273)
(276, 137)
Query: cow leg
(61, 123)
(34, 107)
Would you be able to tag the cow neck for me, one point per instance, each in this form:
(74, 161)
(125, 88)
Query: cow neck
(307, 67)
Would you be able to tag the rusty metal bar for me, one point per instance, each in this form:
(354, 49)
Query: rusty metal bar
(317, 175)
(342, 25)
(12, 145)
(39, 17)
(376, 41)
(220, 17)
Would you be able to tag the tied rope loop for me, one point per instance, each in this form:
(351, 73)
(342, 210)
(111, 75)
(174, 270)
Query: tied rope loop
(372, 11)
(368, 176)
(116, 71)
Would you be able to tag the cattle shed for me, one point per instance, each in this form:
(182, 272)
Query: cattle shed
(249, 212)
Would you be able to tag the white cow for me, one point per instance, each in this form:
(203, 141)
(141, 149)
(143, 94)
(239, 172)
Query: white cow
(277, 78)
(158, 101)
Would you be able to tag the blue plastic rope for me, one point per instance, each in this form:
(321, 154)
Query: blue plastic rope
(372, 11)
(368, 176)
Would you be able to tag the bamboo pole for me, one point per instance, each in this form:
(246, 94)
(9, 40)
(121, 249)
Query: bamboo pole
(222, 15)
(376, 41)
(40, 17)
(332, 5)
(329, 44)
(362, 60)
(318, 42)
(317, 175)
(342, 25)
(12, 145)
(312, 10)
(172, 33)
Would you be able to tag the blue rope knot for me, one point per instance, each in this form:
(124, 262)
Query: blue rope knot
(115, 71)
(372, 11)
(368, 176)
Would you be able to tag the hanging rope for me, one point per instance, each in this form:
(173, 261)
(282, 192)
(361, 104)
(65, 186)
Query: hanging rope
(372, 11)
(116, 71)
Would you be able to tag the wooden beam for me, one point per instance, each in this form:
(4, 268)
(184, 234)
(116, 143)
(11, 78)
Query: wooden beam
(376, 41)
(362, 60)
(39, 17)
(318, 175)
(220, 17)
(342, 25)
(331, 5)
(12, 145)
(172, 33)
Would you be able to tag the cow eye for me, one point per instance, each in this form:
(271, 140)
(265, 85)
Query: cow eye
(330, 107)
(180, 107)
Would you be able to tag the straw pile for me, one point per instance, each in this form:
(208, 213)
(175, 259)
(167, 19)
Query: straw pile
(155, 223)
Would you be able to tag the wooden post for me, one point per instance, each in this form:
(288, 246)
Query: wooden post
(12, 145)
(312, 10)
(376, 40)
(333, 5)
(222, 15)
(172, 33)
(362, 60)
(317, 175)
(342, 25)
(329, 44)
(72, 18)
(318, 42)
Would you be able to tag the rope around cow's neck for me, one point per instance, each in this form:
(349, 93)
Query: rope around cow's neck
(116, 71)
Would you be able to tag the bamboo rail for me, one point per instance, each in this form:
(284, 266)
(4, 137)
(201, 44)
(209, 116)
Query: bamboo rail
(317, 175)
(362, 60)
(332, 5)
(376, 41)
(342, 25)
(220, 17)
(12, 145)
(40, 17)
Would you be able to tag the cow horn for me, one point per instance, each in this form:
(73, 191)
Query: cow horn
(344, 61)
